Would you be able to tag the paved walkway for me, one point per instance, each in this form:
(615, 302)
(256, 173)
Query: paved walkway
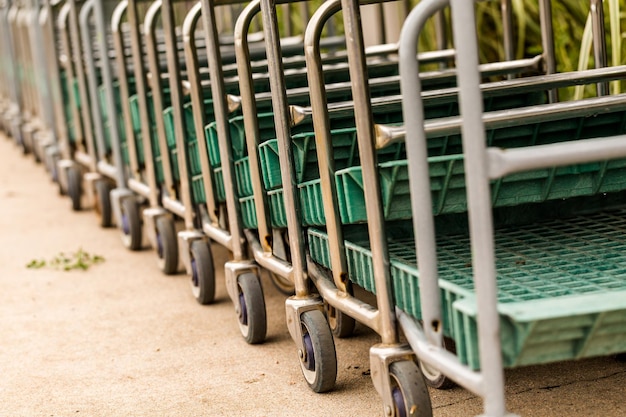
(121, 339)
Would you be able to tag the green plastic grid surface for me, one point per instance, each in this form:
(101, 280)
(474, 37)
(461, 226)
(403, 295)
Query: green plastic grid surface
(561, 287)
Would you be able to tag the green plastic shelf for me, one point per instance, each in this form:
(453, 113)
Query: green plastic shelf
(561, 286)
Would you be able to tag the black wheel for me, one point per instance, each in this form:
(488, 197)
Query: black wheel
(319, 360)
(167, 245)
(36, 150)
(62, 191)
(282, 284)
(252, 317)
(53, 168)
(202, 272)
(74, 186)
(433, 377)
(131, 224)
(23, 142)
(340, 323)
(409, 391)
(102, 202)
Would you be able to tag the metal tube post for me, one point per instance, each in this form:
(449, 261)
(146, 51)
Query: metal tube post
(367, 153)
(479, 205)
(220, 108)
(283, 134)
(142, 97)
(107, 80)
(599, 41)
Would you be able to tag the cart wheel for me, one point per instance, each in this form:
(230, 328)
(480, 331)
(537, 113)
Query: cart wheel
(74, 187)
(433, 377)
(202, 272)
(167, 245)
(131, 224)
(62, 190)
(319, 361)
(282, 284)
(252, 317)
(409, 392)
(340, 323)
(103, 203)
(35, 151)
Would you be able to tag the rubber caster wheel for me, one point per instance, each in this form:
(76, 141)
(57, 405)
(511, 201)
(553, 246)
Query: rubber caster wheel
(102, 202)
(74, 187)
(167, 245)
(340, 323)
(62, 190)
(433, 377)
(131, 224)
(202, 272)
(252, 316)
(319, 360)
(37, 154)
(282, 284)
(409, 391)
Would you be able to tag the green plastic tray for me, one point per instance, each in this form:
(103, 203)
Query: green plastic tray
(561, 286)
(136, 120)
(345, 150)
(447, 171)
(448, 180)
(105, 118)
(198, 195)
(278, 216)
(345, 154)
(67, 108)
(311, 215)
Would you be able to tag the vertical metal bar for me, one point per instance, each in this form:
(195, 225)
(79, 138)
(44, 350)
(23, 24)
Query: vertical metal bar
(14, 56)
(66, 148)
(380, 15)
(176, 88)
(52, 65)
(479, 205)
(5, 53)
(45, 87)
(30, 29)
(507, 27)
(287, 24)
(27, 90)
(142, 97)
(419, 175)
(220, 108)
(88, 145)
(122, 76)
(367, 153)
(156, 88)
(283, 134)
(440, 30)
(91, 76)
(305, 15)
(251, 121)
(107, 80)
(323, 141)
(599, 42)
(12, 20)
(547, 39)
(197, 100)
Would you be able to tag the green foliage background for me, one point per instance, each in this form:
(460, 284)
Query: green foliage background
(569, 18)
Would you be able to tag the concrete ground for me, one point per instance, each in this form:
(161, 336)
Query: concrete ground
(121, 339)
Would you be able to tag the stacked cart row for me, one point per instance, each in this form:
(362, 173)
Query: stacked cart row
(482, 209)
